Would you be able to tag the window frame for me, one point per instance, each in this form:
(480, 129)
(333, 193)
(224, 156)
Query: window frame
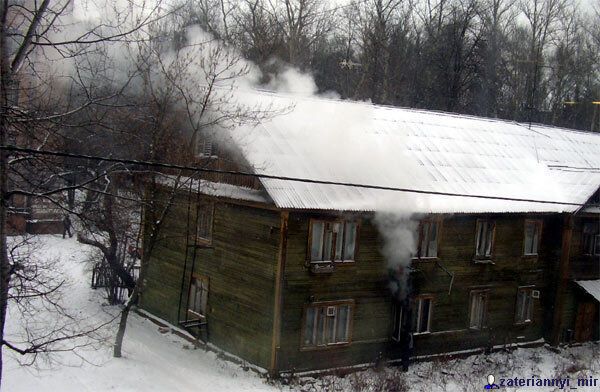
(418, 306)
(332, 221)
(538, 224)
(484, 317)
(529, 290)
(594, 238)
(397, 321)
(489, 256)
(206, 288)
(211, 213)
(325, 304)
(421, 237)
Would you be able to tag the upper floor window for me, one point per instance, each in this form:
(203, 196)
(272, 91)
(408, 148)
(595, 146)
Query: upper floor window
(478, 309)
(423, 310)
(428, 239)
(333, 240)
(484, 238)
(204, 221)
(533, 231)
(205, 147)
(327, 323)
(591, 238)
(524, 307)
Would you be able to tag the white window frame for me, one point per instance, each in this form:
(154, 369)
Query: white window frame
(326, 315)
(478, 312)
(419, 328)
(397, 315)
(204, 220)
(532, 247)
(590, 239)
(486, 231)
(337, 248)
(198, 297)
(524, 305)
(427, 227)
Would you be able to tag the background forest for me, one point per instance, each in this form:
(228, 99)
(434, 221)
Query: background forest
(523, 60)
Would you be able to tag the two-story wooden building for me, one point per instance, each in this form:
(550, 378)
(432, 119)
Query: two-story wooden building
(370, 226)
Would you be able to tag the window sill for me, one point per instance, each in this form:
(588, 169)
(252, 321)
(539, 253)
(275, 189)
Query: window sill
(531, 256)
(203, 243)
(321, 267)
(483, 261)
(478, 329)
(325, 347)
(425, 259)
(524, 323)
(422, 333)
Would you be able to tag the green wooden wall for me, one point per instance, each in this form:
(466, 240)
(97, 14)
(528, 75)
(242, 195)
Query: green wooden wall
(581, 267)
(240, 266)
(366, 282)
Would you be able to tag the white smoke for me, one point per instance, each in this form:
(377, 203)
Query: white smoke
(329, 133)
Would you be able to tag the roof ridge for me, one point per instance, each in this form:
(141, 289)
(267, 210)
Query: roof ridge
(526, 125)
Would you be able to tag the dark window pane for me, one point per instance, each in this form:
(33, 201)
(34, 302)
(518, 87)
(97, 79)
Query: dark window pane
(316, 251)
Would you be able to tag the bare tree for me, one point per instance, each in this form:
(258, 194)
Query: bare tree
(37, 39)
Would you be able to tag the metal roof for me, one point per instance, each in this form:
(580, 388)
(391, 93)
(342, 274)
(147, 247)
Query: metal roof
(343, 141)
(591, 286)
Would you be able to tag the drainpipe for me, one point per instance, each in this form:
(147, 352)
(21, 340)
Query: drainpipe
(562, 279)
(278, 295)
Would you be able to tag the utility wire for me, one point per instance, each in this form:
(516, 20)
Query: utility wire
(276, 177)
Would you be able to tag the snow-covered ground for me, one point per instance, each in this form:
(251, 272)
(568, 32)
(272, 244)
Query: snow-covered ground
(155, 361)
(152, 361)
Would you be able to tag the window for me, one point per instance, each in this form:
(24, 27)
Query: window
(485, 238)
(423, 308)
(204, 222)
(327, 324)
(428, 239)
(591, 238)
(206, 148)
(524, 306)
(397, 311)
(478, 309)
(332, 241)
(533, 231)
(198, 297)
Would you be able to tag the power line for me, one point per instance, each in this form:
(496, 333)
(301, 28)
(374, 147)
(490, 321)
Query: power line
(276, 177)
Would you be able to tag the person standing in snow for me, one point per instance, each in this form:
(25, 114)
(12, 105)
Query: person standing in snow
(67, 226)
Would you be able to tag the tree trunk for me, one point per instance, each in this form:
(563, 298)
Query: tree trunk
(4, 261)
(121, 331)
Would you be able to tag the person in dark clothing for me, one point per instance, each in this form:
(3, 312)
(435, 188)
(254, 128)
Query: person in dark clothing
(67, 226)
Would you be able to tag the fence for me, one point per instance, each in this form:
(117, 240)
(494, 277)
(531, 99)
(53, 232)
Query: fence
(103, 277)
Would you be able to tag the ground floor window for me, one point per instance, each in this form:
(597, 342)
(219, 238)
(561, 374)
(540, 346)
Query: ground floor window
(524, 308)
(397, 313)
(423, 310)
(591, 238)
(198, 297)
(327, 323)
(478, 309)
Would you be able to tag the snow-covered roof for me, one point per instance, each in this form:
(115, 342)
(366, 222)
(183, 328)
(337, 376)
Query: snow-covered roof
(350, 142)
(218, 189)
(591, 286)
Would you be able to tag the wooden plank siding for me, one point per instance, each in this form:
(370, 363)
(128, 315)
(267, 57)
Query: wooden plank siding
(240, 266)
(251, 247)
(366, 282)
(582, 267)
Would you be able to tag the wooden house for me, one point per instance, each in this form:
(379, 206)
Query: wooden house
(405, 232)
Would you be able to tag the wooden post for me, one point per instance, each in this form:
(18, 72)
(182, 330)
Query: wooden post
(562, 279)
(278, 297)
